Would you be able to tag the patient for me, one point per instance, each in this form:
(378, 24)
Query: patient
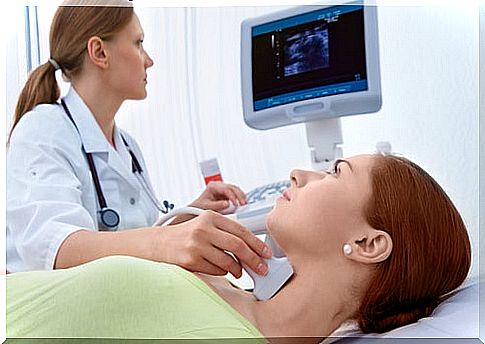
(376, 241)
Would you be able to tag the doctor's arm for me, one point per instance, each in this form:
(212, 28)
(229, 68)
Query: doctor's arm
(196, 245)
(49, 227)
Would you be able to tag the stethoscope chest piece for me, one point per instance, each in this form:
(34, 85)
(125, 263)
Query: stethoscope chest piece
(109, 219)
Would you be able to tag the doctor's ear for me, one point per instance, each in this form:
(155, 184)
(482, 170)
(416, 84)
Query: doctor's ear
(373, 247)
(97, 52)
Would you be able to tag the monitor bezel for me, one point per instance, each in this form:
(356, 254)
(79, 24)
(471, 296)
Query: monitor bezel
(353, 103)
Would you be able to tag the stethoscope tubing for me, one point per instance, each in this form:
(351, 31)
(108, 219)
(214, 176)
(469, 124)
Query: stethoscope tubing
(108, 216)
(153, 198)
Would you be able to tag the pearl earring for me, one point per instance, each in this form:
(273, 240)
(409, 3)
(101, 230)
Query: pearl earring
(347, 249)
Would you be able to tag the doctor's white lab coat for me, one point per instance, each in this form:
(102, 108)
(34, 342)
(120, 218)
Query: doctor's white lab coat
(50, 191)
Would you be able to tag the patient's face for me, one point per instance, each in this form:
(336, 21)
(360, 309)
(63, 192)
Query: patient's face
(320, 210)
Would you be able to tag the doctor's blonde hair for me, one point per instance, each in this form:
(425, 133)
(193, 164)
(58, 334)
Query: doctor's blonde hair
(74, 23)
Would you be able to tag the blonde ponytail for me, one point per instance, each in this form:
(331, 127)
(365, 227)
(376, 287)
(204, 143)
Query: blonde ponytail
(41, 88)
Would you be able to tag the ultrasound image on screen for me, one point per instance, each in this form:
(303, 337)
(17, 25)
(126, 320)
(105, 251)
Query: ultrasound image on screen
(306, 51)
(322, 50)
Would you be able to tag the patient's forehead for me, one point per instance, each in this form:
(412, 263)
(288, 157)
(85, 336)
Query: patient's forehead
(361, 163)
(359, 180)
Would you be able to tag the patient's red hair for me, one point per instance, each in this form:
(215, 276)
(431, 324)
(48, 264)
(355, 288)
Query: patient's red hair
(431, 249)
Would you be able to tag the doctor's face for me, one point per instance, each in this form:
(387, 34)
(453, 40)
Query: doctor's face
(320, 210)
(129, 62)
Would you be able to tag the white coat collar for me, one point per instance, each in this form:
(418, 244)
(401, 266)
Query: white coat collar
(94, 140)
(91, 134)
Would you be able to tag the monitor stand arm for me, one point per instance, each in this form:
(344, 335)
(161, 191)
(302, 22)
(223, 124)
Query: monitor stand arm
(324, 139)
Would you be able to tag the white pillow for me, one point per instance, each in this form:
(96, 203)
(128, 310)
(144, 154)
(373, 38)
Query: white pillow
(457, 317)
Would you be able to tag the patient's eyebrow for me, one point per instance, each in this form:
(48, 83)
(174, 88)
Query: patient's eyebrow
(338, 161)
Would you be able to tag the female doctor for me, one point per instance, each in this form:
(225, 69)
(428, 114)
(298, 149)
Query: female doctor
(75, 181)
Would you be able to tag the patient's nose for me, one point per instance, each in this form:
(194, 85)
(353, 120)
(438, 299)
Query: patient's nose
(298, 178)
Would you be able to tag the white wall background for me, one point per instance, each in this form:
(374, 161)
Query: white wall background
(429, 66)
(481, 215)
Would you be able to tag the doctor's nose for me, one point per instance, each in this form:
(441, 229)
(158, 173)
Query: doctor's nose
(148, 60)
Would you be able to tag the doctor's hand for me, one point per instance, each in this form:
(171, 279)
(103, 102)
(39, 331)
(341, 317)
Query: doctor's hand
(217, 196)
(201, 245)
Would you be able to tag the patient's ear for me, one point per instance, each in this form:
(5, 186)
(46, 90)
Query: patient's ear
(374, 246)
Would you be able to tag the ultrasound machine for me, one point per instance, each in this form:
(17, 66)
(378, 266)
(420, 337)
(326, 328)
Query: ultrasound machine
(308, 64)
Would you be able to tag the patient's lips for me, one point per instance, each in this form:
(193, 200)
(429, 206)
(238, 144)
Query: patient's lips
(286, 194)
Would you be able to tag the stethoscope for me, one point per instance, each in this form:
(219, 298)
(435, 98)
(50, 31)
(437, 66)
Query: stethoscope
(109, 217)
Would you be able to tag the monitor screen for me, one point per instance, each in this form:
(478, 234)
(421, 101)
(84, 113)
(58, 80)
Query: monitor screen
(310, 55)
(310, 62)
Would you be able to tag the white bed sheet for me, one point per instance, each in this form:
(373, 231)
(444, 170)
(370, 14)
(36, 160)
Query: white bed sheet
(457, 317)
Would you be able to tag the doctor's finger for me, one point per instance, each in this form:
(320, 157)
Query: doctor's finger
(230, 226)
(241, 250)
(228, 191)
(208, 268)
(224, 261)
(240, 195)
(218, 205)
(223, 190)
(235, 194)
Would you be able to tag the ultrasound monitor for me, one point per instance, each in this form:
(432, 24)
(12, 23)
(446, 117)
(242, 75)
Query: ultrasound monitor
(310, 62)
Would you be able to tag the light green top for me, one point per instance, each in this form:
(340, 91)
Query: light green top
(120, 297)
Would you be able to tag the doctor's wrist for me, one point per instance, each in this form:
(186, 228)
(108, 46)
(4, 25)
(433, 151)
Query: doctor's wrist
(157, 245)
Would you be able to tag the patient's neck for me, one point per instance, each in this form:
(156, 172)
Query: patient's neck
(315, 302)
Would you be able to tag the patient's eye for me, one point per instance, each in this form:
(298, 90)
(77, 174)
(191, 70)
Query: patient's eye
(334, 169)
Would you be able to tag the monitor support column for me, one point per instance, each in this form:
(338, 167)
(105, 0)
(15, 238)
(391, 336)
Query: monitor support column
(324, 139)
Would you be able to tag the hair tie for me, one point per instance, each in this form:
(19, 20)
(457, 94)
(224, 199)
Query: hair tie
(54, 64)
